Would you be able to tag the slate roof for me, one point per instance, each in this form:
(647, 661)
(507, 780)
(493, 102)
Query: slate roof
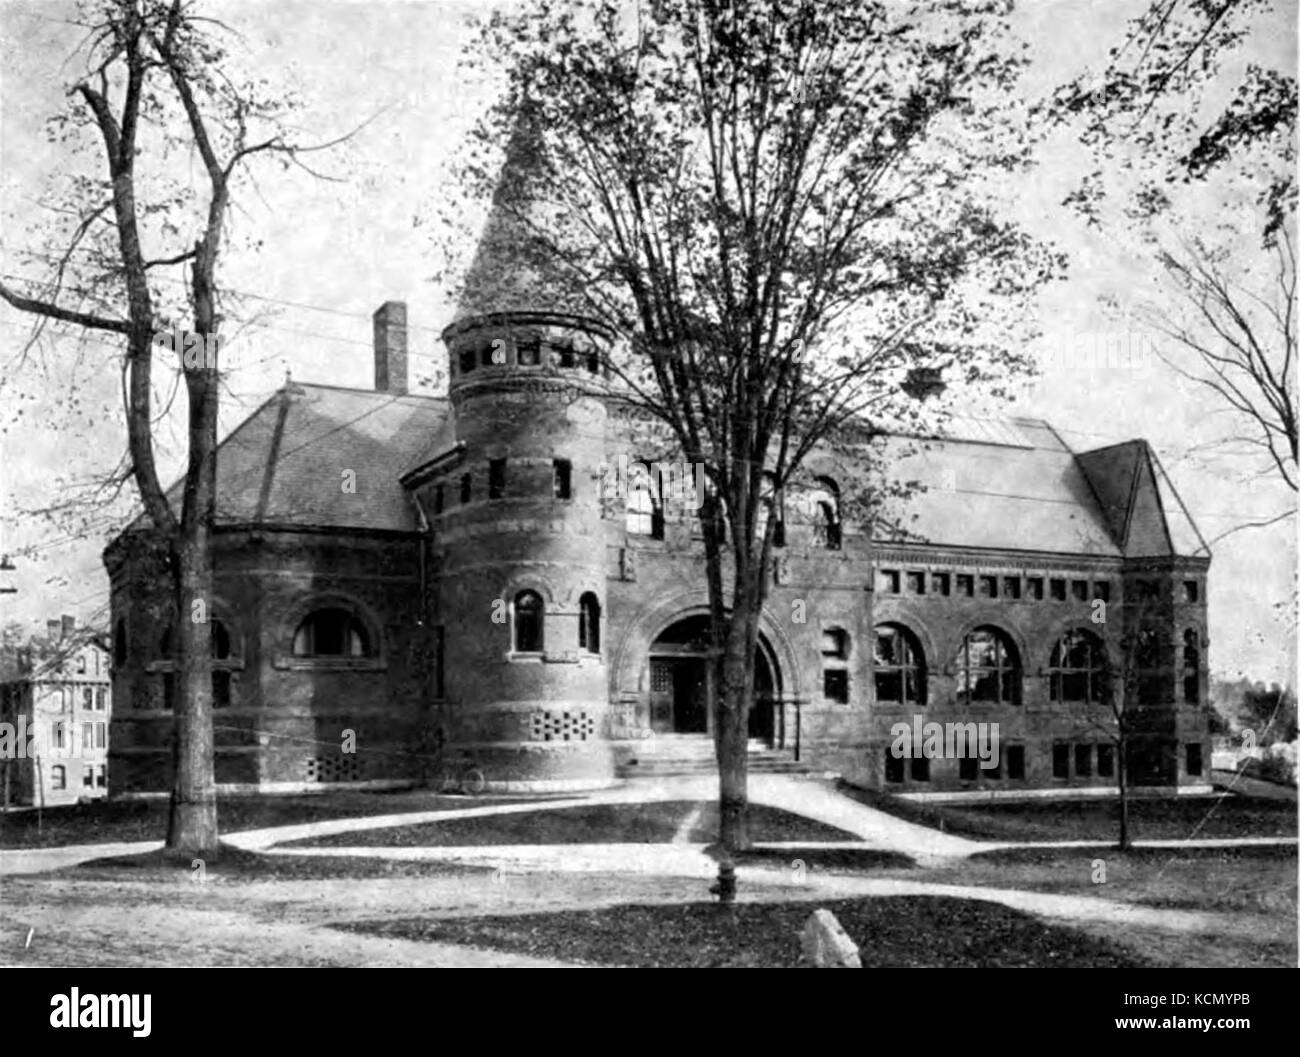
(1010, 484)
(284, 465)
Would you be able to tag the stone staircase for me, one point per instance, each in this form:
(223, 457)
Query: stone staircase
(692, 754)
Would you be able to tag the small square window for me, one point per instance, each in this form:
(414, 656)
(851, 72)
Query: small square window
(968, 768)
(1010, 587)
(916, 583)
(1060, 760)
(529, 353)
(1079, 588)
(988, 587)
(1034, 587)
(1194, 762)
(889, 581)
(835, 685)
(562, 479)
(1083, 761)
(835, 643)
(1105, 761)
(496, 478)
(965, 585)
(1191, 591)
(1101, 590)
(942, 584)
(920, 769)
(1016, 763)
(1058, 590)
(893, 767)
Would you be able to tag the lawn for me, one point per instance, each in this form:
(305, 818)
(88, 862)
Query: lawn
(102, 821)
(892, 932)
(237, 865)
(657, 822)
(1167, 818)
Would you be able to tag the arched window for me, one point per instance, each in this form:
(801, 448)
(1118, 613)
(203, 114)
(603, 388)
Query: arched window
(988, 668)
(528, 622)
(899, 665)
(589, 623)
(824, 502)
(645, 513)
(119, 642)
(1077, 668)
(331, 633)
(1191, 666)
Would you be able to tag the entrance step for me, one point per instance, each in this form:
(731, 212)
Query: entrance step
(692, 754)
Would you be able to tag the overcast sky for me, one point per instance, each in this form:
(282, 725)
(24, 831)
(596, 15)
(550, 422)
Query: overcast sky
(332, 252)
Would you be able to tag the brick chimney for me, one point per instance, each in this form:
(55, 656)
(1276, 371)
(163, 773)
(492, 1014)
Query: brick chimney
(69, 626)
(390, 348)
(53, 630)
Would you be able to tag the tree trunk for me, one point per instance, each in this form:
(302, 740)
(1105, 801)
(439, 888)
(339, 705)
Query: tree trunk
(731, 714)
(1123, 794)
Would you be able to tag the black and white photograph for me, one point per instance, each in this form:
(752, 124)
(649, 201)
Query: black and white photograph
(648, 484)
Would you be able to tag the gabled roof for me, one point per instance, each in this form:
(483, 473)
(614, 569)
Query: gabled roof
(1014, 485)
(289, 461)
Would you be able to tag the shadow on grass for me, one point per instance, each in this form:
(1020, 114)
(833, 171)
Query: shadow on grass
(655, 822)
(893, 932)
(236, 864)
(847, 859)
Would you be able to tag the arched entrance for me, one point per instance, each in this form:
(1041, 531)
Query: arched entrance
(679, 682)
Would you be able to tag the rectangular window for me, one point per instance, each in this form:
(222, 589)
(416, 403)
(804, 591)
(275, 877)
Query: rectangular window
(1010, 587)
(1060, 760)
(58, 730)
(1191, 591)
(1058, 590)
(101, 700)
(1083, 761)
(169, 690)
(87, 735)
(58, 777)
(835, 685)
(1105, 761)
(101, 777)
(942, 584)
(529, 352)
(439, 661)
(466, 487)
(1016, 762)
(221, 688)
(916, 583)
(1194, 759)
(1034, 585)
(88, 777)
(965, 585)
(888, 581)
(496, 478)
(439, 498)
(87, 698)
(562, 483)
(893, 767)
(968, 768)
(1079, 588)
(995, 772)
(920, 769)
(1101, 589)
(101, 735)
(988, 587)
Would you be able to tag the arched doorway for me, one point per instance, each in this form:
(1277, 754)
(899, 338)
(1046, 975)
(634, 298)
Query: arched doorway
(679, 682)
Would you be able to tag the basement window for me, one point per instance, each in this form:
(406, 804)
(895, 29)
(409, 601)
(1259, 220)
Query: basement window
(1016, 763)
(1060, 760)
(1194, 763)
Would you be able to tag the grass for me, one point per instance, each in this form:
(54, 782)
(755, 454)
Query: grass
(1166, 818)
(657, 822)
(102, 821)
(893, 932)
(1259, 879)
(236, 864)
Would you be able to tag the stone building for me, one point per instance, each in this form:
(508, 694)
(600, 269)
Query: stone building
(54, 720)
(407, 584)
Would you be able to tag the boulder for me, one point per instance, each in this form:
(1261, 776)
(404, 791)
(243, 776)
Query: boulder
(826, 945)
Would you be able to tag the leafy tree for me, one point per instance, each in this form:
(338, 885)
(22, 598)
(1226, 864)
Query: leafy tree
(791, 210)
(155, 89)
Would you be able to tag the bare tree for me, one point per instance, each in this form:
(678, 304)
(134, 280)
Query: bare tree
(153, 89)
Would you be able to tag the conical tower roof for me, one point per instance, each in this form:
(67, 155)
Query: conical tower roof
(513, 270)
